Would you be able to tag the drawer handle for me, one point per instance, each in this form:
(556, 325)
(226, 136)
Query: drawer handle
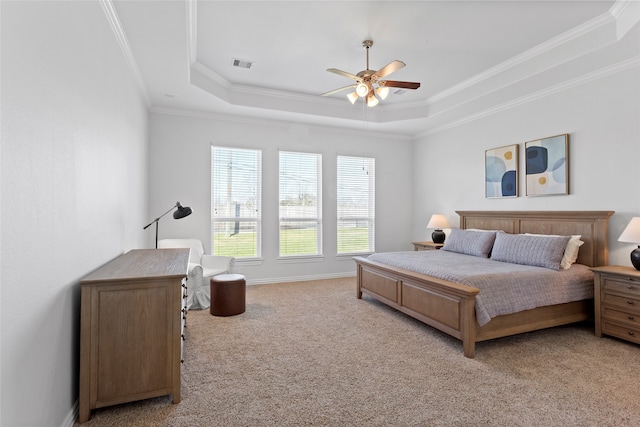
(631, 333)
(630, 287)
(630, 318)
(630, 302)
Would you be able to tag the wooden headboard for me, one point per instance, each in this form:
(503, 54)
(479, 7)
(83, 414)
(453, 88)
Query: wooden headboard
(593, 226)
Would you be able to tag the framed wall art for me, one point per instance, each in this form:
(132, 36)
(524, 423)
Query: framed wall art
(547, 166)
(501, 172)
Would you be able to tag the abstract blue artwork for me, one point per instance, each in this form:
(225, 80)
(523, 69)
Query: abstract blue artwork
(501, 172)
(547, 166)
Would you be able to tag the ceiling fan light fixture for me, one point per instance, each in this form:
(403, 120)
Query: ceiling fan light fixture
(382, 92)
(372, 101)
(362, 89)
(353, 97)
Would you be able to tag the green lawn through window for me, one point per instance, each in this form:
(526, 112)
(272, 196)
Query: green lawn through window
(300, 242)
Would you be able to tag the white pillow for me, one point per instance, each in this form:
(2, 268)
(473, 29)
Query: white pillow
(570, 252)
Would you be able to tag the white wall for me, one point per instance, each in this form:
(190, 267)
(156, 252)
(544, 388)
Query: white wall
(602, 120)
(180, 171)
(74, 178)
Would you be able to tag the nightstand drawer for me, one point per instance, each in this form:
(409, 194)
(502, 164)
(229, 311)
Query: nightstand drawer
(621, 331)
(617, 302)
(626, 317)
(624, 285)
(624, 302)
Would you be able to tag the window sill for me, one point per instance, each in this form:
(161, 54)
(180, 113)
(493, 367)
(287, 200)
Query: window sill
(249, 261)
(349, 257)
(299, 259)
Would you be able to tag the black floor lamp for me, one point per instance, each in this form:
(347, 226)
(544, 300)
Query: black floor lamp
(180, 213)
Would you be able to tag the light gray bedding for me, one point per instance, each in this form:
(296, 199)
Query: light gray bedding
(505, 288)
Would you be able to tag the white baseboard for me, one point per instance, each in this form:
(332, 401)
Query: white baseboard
(71, 417)
(300, 278)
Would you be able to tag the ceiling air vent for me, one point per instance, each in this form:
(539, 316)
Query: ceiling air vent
(242, 63)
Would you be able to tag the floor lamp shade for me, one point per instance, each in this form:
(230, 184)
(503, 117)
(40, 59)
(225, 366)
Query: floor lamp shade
(631, 234)
(438, 222)
(181, 212)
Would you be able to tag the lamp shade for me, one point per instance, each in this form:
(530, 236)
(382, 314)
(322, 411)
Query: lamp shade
(182, 211)
(631, 234)
(372, 101)
(382, 92)
(438, 222)
(362, 89)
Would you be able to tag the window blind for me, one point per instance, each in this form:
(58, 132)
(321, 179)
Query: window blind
(300, 204)
(236, 194)
(355, 204)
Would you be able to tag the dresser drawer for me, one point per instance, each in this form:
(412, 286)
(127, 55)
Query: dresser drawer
(624, 302)
(621, 285)
(626, 317)
(621, 331)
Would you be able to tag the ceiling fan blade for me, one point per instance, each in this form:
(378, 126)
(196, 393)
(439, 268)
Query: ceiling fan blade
(331, 92)
(345, 74)
(389, 68)
(403, 85)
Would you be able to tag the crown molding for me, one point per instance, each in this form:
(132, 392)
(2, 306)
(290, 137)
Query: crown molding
(192, 30)
(281, 124)
(626, 14)
(528, 55)
(621, 66)
(123, 42)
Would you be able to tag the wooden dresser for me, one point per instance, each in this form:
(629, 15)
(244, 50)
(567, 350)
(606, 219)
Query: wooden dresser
(617, 302)
(133, 312)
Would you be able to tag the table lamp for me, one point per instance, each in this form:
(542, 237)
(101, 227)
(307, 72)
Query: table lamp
(438, 222)
(631, 234)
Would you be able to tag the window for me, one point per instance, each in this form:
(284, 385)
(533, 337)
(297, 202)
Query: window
(236, 225)
(356, 205)
(300, 204)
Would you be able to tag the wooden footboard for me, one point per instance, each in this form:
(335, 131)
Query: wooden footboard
(447, 306)
(450, 306)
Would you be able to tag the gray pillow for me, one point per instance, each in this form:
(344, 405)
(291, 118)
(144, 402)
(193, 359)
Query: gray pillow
(539, 251)
(476, 243)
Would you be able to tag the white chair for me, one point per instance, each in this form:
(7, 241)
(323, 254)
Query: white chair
(201, 268)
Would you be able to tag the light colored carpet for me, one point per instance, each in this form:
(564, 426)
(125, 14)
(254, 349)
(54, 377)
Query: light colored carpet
(312, 354)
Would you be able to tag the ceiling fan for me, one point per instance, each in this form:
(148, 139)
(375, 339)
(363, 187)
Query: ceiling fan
(369, 82)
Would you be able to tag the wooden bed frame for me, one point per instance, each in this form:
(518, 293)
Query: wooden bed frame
(450, 306)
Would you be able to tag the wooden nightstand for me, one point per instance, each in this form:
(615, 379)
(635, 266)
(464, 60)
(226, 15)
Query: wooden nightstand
(426, 246)
(617, 302)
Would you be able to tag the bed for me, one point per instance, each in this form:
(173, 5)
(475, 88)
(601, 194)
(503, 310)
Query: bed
(451, 306)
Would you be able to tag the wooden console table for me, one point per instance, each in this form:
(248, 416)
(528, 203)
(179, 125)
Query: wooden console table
(133, 311)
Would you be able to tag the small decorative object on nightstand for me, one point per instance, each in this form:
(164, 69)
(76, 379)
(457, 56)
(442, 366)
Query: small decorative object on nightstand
(617, 302)
(631, 234)
(425, 246)
(438, 222)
